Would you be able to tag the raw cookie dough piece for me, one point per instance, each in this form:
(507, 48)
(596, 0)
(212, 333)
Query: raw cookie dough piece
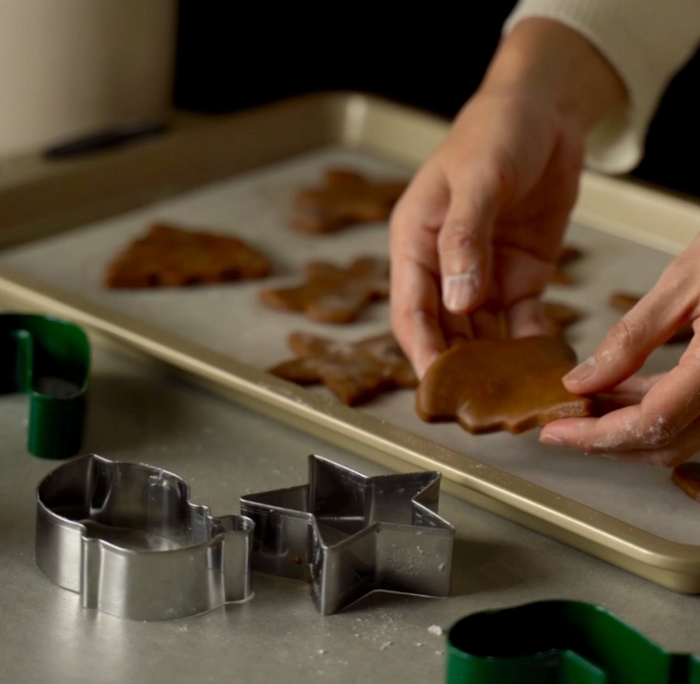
(332, 294)
(490, 385)
(559, 275)
(174, 257)
(559, 317)
(345, 199)
(687, 477)
(624, 301)
(354, 372)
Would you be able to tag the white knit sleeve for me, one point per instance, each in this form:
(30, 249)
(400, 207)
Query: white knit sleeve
(647, 41)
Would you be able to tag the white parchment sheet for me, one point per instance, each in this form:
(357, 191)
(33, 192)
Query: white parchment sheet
(229, 319)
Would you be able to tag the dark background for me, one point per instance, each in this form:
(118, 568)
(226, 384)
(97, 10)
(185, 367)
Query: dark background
(232, 57)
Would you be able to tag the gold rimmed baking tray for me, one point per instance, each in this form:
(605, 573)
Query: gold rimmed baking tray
(39, 200)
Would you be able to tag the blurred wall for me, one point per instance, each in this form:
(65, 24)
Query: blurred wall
(68, 67)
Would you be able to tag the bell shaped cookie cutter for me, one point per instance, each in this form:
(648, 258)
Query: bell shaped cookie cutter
(126, 537)
(559, 642)
(349, 535)
(48, 359)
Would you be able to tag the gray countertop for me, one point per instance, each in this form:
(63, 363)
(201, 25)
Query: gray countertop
(138, 413)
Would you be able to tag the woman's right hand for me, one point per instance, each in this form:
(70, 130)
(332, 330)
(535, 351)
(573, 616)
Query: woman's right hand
(480, 226)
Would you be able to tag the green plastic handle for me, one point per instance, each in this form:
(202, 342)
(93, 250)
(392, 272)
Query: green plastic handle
(48, 359)
(559, 642)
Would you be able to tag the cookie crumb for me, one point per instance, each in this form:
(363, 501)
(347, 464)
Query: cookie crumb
(436, 630)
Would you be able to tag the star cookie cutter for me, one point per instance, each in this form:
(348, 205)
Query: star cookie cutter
(48, 359)
(559, 642)
(127, 539)
(349, 535)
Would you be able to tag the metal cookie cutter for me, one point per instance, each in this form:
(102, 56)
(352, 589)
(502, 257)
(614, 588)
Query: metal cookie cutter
(48, 359)
(349, 535)
(559, 642)
(126, 537)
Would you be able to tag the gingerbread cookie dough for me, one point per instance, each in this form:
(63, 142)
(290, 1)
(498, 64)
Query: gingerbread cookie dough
(173, 257)
(559, 317)
(567, 255)
(354, 371)
(687, 477)
(490, 385)
(623, 301)
(346, 198)
(332, 294)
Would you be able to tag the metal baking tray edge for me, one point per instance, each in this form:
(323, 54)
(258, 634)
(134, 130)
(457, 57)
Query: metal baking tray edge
(407, 136)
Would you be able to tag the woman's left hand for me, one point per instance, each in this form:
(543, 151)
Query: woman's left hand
(660, 423)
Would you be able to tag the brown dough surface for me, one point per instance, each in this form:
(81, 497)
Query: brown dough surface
(624, 301)
(559, 316)
(345, 198)
(567, 255)
(687, 477)
(354, 371)
(173, 257)
(332, 294)
(490, 385)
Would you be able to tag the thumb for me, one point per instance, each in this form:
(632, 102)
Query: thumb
(465, 239)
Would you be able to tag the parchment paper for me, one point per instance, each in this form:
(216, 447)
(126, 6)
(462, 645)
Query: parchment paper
(229, 319)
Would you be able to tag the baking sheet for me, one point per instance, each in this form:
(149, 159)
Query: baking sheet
(228, 319)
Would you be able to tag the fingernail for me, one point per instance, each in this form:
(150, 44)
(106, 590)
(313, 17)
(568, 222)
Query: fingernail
(459, 291)
(582, 372)
(552, 440)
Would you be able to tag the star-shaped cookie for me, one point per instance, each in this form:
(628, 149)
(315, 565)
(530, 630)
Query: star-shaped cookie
(490, 385)
(332, 294)
(354, 371)
(346, 198)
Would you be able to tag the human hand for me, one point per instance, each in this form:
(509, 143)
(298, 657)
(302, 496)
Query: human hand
(480, 226)
(659, 421)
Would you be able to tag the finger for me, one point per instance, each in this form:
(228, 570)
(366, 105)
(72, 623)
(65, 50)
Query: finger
(464, 242)
(415, 315)
(678, 450)
(490, 324)
(637, 385)
(627, 393)
(415, 296)
(628, 428)
(671, 402)
(526, 318)
(625, 348)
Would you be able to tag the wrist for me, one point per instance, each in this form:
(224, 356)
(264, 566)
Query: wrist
(547, 59)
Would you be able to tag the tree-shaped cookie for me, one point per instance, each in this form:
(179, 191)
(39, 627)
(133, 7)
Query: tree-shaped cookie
(333, 294)
(345, 198)
(490, 385)
(174, 257)
(354, 371)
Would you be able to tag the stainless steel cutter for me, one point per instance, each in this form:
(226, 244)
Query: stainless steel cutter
(349, 535)
(126, 537)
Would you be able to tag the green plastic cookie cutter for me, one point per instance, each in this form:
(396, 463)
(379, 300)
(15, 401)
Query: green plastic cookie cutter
(48, 359)
(559, 642)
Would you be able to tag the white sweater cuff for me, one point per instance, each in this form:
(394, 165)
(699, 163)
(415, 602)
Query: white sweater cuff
(646, 41)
